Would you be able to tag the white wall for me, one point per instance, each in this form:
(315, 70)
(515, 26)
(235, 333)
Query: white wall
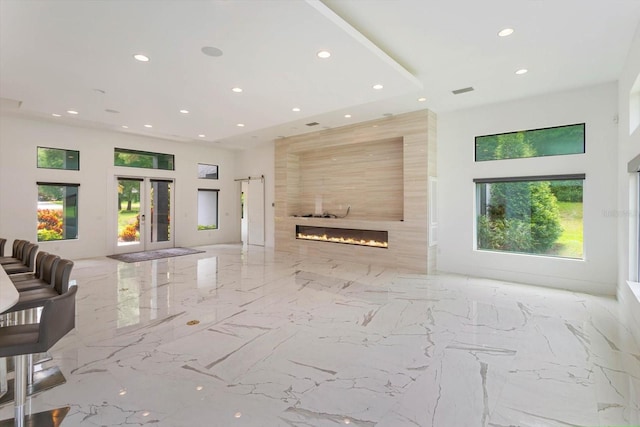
(19, 138)
(628, 148)
(256, 162)
(597, 107)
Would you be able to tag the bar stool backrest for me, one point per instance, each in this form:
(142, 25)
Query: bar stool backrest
(58, 318)
(2, 243)
(40, 257)
(29, 255)
(49, 268)
(62, 274)
(18, 246)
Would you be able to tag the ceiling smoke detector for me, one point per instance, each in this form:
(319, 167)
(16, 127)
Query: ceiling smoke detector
(463, 90)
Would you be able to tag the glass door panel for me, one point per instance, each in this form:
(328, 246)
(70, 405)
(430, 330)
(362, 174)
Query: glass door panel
(144, 214)
(160, 213)
(129, 206)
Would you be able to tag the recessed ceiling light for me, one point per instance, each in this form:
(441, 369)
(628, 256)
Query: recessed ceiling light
(324, 54)
(111, 110)
(56, 115)
(140, 57)
(148, 126)
(184, 111)
(347, 116)
(378, 87)
(522, 71)
(422, 99)
(296, 109)
(237, 89)
(125, 127)
(240, 125)
(72, 112)
(211, 51)
(201, 135)
(505, 32)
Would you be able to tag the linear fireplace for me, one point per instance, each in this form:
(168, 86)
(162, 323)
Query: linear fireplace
(348, 236)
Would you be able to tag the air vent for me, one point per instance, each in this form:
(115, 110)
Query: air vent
(463, 90)
(313, 124)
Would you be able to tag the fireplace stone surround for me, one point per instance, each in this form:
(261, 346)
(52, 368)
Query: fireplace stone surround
(380, 169)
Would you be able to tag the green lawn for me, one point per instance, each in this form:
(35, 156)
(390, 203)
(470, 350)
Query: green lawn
(569, 244)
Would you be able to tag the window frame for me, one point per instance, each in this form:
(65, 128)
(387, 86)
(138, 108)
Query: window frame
(479, 211)
(77, 152)
(118, 150)
(584, 142)
(206, 177)
(217, 224)
(76, 207)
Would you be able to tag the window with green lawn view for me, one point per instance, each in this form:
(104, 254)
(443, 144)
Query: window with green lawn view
(531, 215)
(57, 211)
(207, 209)
(143, 159)
(58, 158)
(554, 141)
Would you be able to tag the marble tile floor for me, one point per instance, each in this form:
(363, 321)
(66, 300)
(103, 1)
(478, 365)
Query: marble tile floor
(284, 340)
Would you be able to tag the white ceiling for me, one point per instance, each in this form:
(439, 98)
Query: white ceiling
(57, 55)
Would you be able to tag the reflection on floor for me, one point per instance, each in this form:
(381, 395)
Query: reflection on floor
(289, 341)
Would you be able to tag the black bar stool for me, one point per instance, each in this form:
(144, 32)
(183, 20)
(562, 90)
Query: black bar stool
(46, 264)
(57, 319)
(32, 299)
(16, 252)
(27, 261)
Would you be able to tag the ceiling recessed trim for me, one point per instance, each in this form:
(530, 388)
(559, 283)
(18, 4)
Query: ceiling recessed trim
(211, 51)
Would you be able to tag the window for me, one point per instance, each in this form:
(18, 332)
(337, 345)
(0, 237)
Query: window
(531, 215)
(143, 159)
(207, 209)
(58, 158)
(207, 171)
(553, 141)
(57, 211)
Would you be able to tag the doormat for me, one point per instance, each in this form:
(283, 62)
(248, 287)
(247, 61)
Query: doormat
(150, 255)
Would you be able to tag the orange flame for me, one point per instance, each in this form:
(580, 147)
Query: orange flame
(347, 240)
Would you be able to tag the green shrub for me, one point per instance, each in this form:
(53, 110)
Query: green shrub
(45, 235)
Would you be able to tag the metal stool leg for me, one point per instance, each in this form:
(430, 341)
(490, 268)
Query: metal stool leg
(20, 389)
(3, 376)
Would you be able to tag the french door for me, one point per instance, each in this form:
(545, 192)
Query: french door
(144, 208)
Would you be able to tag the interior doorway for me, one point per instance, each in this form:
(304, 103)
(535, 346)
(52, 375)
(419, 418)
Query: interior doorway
(143, 212)
(252, 211)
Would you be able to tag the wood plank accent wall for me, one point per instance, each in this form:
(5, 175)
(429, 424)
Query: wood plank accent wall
(381, 170)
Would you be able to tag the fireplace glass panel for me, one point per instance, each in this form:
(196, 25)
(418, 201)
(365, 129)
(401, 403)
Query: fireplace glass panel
(349, 236)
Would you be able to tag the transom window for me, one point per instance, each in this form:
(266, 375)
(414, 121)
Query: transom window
(552, 141)
(143, 159)
(58, 158)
